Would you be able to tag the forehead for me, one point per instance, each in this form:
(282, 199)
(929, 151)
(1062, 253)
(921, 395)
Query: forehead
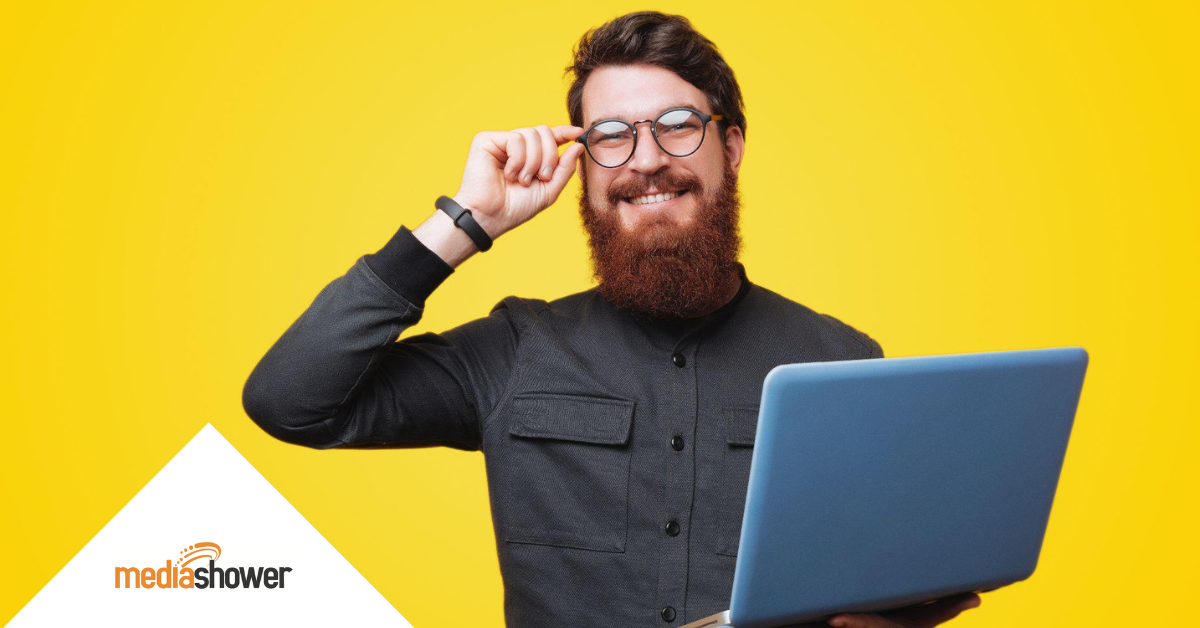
(636, 92)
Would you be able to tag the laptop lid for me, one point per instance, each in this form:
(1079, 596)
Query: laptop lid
(883, 483)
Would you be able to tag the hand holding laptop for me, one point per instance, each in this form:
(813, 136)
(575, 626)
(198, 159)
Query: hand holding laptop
(920, 616)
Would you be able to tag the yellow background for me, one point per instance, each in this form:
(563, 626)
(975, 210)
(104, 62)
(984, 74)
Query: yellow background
(179, 180)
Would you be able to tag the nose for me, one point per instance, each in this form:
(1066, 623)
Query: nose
(647, 158)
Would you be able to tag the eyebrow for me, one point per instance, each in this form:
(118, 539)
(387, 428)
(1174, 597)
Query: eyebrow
(617, 117)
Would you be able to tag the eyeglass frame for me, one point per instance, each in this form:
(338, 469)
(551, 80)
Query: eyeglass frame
(705, 118)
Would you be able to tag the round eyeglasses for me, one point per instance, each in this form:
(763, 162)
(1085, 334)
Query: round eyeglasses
(679, 132)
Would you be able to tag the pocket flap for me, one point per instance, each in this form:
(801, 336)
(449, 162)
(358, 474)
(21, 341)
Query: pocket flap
(572, 417)
(740, 424)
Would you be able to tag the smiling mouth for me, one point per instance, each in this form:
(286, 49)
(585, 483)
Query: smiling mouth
(649, 199)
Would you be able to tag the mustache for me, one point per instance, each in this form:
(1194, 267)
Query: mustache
(662, 180)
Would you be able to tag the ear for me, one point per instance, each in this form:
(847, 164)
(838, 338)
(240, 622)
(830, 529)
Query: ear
(735, 147)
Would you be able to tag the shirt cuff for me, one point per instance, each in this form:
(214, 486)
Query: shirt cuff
(409, 267)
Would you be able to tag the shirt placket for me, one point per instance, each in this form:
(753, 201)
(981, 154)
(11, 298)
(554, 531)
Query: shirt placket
(680, 469)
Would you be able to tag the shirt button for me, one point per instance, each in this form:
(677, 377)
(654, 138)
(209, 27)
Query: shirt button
(677, 442)
(672, 529)
(679, 360)
(668, 613)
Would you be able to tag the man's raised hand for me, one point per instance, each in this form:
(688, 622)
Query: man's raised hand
(510, 176)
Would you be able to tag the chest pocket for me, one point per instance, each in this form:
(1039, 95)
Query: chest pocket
(569, 460)
(740, 425)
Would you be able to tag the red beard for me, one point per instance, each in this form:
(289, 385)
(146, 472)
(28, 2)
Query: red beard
(663, 270)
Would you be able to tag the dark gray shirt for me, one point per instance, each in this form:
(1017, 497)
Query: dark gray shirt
(617, 447)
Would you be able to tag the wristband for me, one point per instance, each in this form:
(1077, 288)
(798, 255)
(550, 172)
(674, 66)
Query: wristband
(464, 220)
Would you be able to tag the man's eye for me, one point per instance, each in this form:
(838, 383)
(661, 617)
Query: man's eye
(679, 130)
(613, 138)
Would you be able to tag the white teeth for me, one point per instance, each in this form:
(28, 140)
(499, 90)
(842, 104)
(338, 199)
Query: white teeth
(653, 198)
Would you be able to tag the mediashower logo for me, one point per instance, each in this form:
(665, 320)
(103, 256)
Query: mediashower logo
(180, 576)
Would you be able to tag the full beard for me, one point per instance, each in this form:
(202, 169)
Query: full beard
(663, 270)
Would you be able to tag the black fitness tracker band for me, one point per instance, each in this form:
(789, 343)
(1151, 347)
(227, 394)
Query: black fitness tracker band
(464, 220)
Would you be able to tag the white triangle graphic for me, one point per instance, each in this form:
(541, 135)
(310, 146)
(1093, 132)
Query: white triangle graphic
(209, 493)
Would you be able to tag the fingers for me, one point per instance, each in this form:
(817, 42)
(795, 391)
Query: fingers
(533, 155)
(549, 152)
(859, 620)
(532, 152)
(938, 612)
(921, 616)
(514, 150)
(566, 168)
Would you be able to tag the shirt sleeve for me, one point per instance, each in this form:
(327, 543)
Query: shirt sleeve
(338, 377)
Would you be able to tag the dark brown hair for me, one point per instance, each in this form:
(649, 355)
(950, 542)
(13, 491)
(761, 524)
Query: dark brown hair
(667, 41)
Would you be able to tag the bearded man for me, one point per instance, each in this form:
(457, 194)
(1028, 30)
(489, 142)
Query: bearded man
(617, 423)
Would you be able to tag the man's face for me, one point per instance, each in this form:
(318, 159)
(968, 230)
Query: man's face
(673, 258)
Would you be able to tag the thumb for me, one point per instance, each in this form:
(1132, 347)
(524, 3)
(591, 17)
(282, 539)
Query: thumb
(566, 167)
